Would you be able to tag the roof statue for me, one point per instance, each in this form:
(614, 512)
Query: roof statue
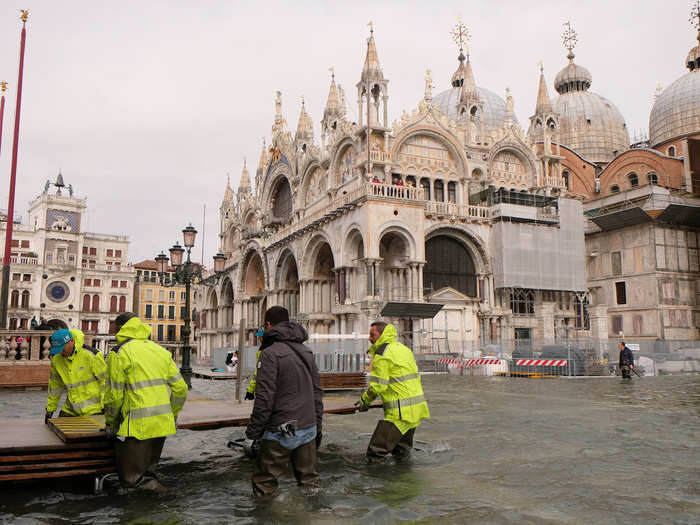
(428, 85)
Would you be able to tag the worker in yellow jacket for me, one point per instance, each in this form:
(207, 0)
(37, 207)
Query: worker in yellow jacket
(394, 378)
(250, 391)
(144, 394)
(76, 370)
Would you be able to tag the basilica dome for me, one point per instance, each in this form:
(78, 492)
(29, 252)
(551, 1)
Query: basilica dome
(588, 123)
(494, 106)
(677, 110)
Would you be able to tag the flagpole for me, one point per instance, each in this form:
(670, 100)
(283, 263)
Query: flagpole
(13, 177)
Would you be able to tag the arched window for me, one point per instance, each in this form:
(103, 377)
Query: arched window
(122, 304)
(14, 299)
(95, 303)
(565, 176)
(452, 192)
(522, 302)
(449, 264)
(425, 184)
(615, 188)
(439, 191)
(282, 200)
(86, 303)
(25, 299)
(634, 180)
(113, 304)
(652, 178)
(672, 151)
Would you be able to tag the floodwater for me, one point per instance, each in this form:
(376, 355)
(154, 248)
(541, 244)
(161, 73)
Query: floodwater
(497, 450)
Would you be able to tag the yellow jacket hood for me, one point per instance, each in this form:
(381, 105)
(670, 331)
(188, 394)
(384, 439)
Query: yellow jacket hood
(388, 336)
(133, 329)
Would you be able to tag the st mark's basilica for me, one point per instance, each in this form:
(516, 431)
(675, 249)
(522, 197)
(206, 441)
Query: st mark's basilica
(463, 228)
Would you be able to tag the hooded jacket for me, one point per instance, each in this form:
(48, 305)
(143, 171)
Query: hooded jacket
(288, 386)
(145, 392)
(396, 380)
(82, 375)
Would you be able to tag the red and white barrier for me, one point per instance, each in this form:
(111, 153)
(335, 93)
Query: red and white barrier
(474, 362)
(450, 362)
(540, 362)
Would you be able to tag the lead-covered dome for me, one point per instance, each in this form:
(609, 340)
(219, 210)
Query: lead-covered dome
(676, 112)
(494, 113)
(588, 123)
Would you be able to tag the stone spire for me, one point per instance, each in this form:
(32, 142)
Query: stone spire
(244, 185)
(262, 164)
(544, 104)
(333, 102)
(305, 128)
(372, 70)
(469, 93)
(228, 193)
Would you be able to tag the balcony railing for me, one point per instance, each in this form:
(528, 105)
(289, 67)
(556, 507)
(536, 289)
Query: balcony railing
(24, 345)
(24, 260)
(449, 209)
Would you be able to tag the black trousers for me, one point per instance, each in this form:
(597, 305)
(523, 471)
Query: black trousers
(273, 460)
(387, 439)
(137, 461)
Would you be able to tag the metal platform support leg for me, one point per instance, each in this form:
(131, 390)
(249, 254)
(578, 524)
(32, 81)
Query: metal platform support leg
(100, 481)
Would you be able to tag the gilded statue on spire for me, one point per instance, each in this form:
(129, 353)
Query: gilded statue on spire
(3, 87)
(570, 39)
(460, 34)
(25, 15)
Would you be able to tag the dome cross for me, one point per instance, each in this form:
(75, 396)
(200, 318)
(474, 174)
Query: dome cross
(695, 15)
(570, 39)
(460, 34)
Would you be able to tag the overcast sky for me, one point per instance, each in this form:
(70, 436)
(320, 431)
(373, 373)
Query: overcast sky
(145, 106)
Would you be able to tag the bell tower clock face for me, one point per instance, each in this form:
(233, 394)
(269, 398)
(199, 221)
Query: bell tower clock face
(57, 291)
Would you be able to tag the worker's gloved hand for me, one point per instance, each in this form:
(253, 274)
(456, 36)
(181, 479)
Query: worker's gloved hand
(249, 396)
(47, 416)
(319, 437)
(361, 406)
(111, 432)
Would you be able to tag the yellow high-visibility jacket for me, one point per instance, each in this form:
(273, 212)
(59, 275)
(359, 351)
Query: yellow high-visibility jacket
(82, 375)
(251, 386)
(145, 392)
(395, 378)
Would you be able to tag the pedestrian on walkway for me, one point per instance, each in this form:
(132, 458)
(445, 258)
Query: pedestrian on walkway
(144, 394)
(288, 410)
(77, 370)
(626, 361)
(394, 378)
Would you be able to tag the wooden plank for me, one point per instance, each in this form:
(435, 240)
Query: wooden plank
(57, 456)
(78, 428)
(58, 466)
(57, 474)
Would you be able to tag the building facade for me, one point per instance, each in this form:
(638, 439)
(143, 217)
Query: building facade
(61, 275)
(157, 305)
(454, 204)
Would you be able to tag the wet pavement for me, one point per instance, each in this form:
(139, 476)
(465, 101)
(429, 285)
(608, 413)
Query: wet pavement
(497, 450)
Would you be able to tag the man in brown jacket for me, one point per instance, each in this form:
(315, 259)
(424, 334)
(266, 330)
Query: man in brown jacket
(288, 411)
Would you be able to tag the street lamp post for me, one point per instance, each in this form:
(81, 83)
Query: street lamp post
(187, 274)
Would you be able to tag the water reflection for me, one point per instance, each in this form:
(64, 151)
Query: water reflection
(496, 450)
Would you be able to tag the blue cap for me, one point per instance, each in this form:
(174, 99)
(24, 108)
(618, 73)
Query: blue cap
(58, 340)
(259, 333)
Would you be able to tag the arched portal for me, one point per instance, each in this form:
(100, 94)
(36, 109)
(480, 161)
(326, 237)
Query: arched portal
(282, 201)
(288, 284)
(352, 278)
(226, 308)
(394, 279)
(323, 279)
(254, 288)
(449, 263)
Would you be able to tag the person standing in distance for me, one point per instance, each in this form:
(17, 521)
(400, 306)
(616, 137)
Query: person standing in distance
(394, 378)
(144, 394)
(79, 371)
(626, 360)
(288, 410)
(250, 391)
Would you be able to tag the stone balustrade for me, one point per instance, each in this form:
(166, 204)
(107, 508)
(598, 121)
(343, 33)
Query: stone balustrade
(24, 345)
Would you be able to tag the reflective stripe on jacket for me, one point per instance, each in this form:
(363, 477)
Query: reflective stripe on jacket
(145, 392)
(395, 378)
(82, 376)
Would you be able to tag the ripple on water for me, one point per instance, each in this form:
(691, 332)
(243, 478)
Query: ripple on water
(496, 450)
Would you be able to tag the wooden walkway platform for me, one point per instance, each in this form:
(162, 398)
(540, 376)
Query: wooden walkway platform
(31, 450)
